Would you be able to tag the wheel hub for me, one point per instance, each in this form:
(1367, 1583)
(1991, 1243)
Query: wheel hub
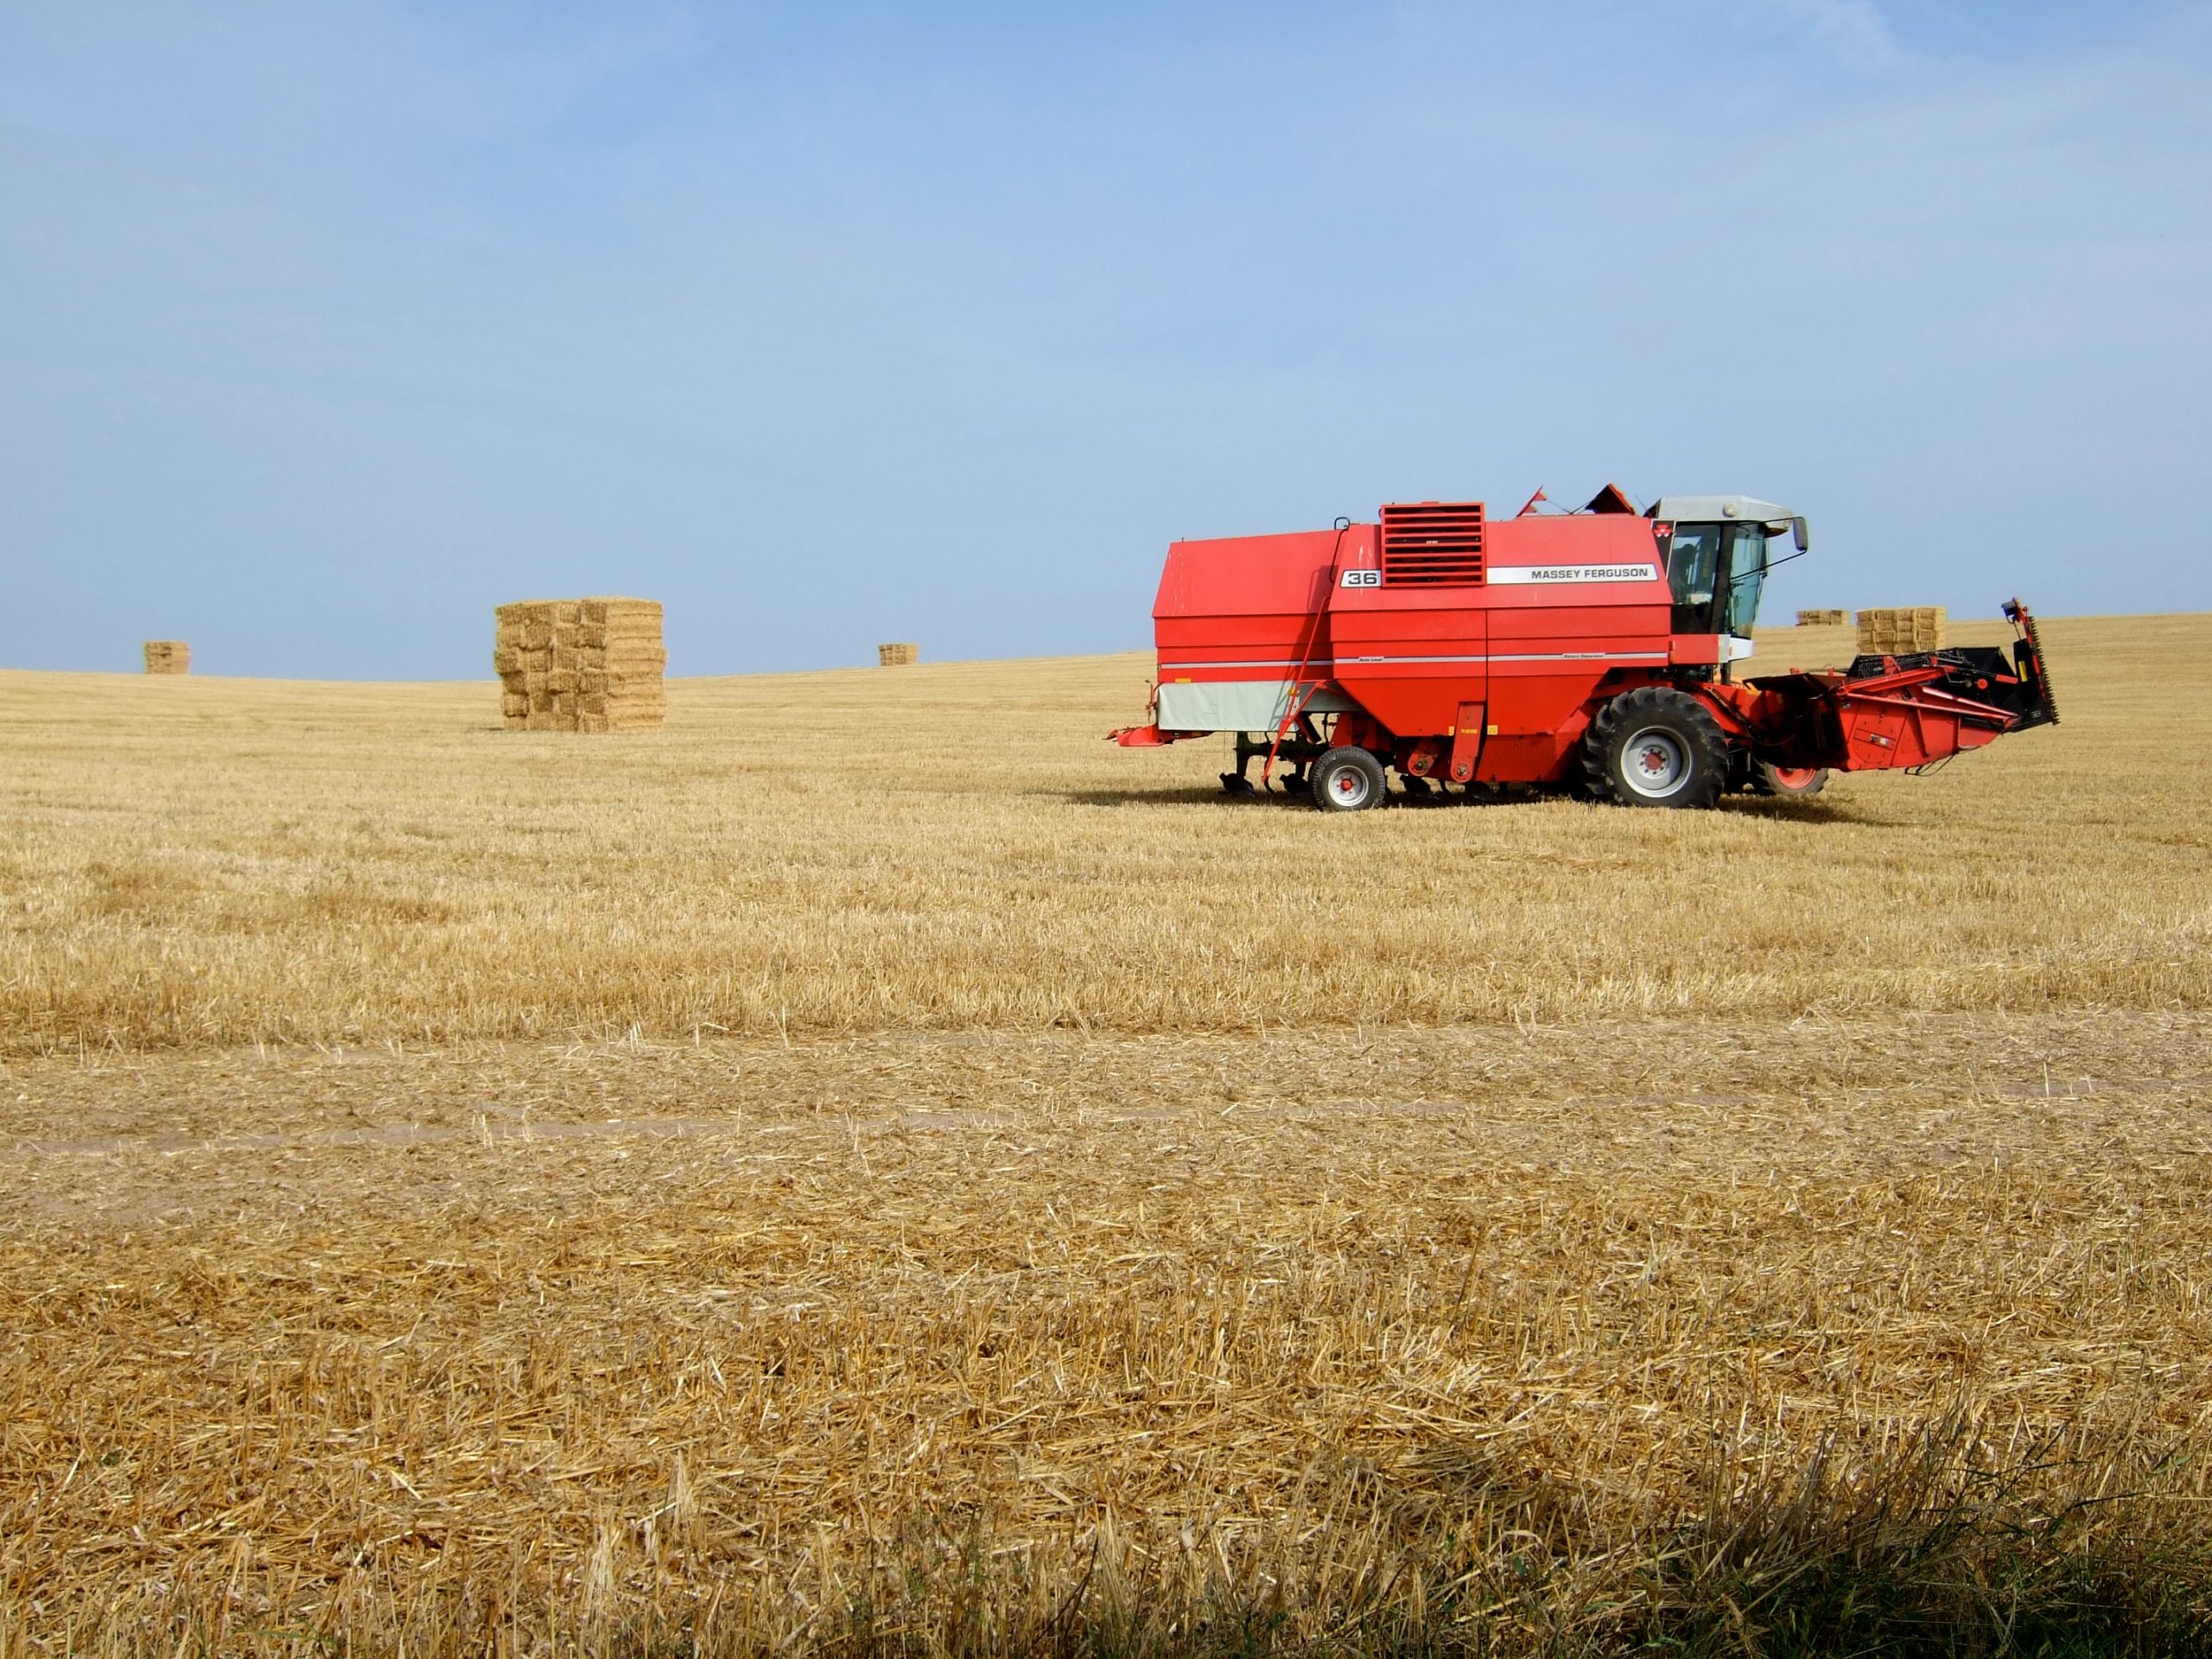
(1657, 763)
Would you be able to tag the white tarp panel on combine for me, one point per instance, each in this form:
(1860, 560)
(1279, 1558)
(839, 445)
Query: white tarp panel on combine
(1237, 705)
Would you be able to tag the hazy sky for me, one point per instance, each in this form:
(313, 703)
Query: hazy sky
(323, 328)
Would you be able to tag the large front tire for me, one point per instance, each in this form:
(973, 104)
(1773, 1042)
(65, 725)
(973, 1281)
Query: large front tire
(1347, 780)
(1655, 746)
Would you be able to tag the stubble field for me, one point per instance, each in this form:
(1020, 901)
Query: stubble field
(873, 1165)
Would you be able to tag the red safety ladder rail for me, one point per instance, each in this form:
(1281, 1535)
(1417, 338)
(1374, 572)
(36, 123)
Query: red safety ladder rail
(1301, 698)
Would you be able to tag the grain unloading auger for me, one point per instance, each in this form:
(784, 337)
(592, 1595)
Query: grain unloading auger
(1594, 651)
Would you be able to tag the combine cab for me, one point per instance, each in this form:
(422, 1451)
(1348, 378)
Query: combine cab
(1596, 650)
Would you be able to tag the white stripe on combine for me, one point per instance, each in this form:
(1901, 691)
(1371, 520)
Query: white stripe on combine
(1576, 657)
(1252, 661)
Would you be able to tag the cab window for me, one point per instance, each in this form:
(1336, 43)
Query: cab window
(1693, 565)
(1746, 576)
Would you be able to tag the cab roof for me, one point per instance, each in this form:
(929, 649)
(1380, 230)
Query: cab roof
(1702, 509)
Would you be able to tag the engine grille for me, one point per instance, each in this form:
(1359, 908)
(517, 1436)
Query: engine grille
(1431, 544)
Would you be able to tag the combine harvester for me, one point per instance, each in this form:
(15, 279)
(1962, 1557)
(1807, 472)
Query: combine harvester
(1594, 652)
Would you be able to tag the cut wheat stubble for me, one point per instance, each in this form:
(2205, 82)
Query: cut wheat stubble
(871, 1144)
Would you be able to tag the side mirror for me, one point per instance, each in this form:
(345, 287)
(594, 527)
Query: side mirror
(1800, 535)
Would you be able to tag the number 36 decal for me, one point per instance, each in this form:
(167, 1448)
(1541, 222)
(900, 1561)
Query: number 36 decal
(1363, 579)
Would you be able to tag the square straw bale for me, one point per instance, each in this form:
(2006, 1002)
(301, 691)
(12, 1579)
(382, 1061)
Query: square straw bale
(595, 663)
(1901, 631)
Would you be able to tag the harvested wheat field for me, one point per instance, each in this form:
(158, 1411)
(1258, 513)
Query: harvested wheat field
(868, 1166)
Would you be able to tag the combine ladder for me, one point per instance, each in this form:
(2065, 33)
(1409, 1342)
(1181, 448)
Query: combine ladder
(1302, 692)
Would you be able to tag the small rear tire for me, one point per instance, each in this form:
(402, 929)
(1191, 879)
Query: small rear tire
(1655, 746)
(1788, 783)
(1347, 780)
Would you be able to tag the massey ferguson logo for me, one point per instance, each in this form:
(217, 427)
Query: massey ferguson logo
(1557, 572)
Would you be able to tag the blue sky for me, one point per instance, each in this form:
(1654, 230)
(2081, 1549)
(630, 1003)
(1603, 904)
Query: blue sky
(323, 329)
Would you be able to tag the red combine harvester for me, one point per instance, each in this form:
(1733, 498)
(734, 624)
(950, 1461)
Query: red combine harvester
(1593, 651)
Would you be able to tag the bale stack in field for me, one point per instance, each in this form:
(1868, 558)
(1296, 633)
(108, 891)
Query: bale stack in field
(897, 656)
(1822, 618)
(1901, 632)
(581, 664)
(168, 657)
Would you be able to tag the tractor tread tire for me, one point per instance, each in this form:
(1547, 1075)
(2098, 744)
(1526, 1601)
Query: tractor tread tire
(1705, 748)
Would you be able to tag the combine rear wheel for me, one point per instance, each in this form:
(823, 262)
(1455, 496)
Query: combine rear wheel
(1347, 780)
(1655, 746)
(1789, 783)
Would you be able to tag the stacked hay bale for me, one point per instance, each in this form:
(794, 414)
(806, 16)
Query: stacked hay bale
(581, 664)
(897, 656)
(168, 657)
(1901, 632)
(1822, 618)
